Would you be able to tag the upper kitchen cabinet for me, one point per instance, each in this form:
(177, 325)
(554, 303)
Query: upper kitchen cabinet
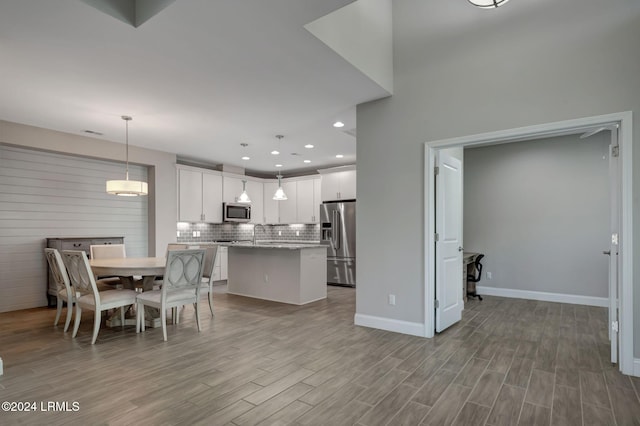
(199, 196)
(271, 211)
(308, 200)
(288, 207)
(256, 193)
(231, 189)
(338, 184)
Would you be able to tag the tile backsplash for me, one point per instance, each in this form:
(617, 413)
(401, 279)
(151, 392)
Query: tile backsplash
(202, 232)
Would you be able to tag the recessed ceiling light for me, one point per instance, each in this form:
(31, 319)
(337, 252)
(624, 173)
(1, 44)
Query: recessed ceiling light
(307, 161)
(278, 165)
(308, 146)
(246, 158)
(338, 124)
(274, 152)
(339, 156)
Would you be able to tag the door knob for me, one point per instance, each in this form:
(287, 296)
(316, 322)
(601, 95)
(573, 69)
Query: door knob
(607, 252)
(460, 249)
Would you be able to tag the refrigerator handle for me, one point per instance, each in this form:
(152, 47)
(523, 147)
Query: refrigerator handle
(338, 234)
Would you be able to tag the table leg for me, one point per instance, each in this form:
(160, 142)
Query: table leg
(151, 315)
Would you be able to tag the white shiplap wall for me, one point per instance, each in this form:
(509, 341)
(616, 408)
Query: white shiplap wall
(42, 195)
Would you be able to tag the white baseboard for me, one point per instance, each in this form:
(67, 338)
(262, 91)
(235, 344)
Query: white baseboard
(636, 367)
(544, 296)
(390, 324)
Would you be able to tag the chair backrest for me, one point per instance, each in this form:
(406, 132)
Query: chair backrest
(58, 270)
(80, 273)
(175, 246)
(478, 271)
(183, 270)
(107, 251)
(209, 259)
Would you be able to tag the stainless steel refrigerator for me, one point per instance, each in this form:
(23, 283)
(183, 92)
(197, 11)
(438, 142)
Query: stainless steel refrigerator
(338, 231)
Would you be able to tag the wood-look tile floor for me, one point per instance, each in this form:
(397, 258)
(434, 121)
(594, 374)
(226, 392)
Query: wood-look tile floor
(508, 362)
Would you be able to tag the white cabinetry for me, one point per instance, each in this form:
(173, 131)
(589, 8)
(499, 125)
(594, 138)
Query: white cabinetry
(288, 207)
(199, 196)
(338, 185)
(255, 191)
(308, 200)
(220, 267)
(271, 209)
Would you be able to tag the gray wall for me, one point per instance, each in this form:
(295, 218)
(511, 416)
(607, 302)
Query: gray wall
(539, 211)
(523, 64)
(161, 202)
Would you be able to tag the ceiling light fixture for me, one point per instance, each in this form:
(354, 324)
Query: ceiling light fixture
(275, 151)
(338, 124)
(308, 146)
(487, 4)
(127, 188)
(244, 197)
(279, 195)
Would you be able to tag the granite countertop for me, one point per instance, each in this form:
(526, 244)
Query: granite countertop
(271, 244)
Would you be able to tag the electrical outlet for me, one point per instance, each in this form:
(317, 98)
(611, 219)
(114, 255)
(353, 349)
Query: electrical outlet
(279, 233)
(198, 232)
(392, 299)
(489, 276)
(195, 233)
(266, 278)
(178, 232)
(297, 233)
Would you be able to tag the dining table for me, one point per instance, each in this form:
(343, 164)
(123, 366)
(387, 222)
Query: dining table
(127, 269)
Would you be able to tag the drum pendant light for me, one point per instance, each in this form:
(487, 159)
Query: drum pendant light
(487, 4)
(126, 187)
(244, 197)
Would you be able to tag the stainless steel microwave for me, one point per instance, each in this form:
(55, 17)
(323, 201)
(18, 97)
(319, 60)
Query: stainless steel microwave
(236, 212)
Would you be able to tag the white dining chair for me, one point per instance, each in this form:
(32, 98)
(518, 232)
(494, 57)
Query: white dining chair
(180, 286)
(207, 273)
(107, 251)
(87, 295)
(64, 292)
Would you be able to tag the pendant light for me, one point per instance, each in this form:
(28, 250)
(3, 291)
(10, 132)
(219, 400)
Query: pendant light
(487, 4)
(127, 188)
(279, 195)
(244, 197)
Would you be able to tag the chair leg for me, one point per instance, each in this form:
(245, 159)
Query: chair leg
(142, 320)
(122, 309)
(69, 313)
(163, 320)
(137, 318)
(210, 295)
(197, 315)
(96, 325)
(58, 310)
(76, 323)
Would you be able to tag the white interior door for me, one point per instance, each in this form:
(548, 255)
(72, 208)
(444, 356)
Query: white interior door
(613, 251)
(449, 304)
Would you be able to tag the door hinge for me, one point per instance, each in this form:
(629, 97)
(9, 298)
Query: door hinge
(437, 304)
(615, 150)
(614, 326)
(437, 237)
(436, 170)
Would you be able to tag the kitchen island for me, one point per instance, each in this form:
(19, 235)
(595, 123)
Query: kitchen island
(281, 272)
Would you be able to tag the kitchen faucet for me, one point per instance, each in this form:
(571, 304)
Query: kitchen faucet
(255, 227)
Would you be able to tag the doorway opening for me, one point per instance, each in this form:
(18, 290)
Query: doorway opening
(624, 239)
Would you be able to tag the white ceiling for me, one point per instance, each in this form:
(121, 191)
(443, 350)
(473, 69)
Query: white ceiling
(199, 78)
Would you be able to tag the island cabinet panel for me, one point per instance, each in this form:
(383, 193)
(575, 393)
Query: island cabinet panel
(295, 276)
